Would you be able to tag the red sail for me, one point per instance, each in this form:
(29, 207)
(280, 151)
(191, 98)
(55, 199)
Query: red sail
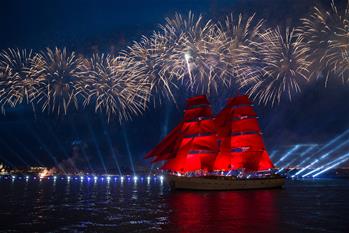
(245, 125)
(222, 162)
(230, 141)
(242, 111)
(248, 160)
(222, 119)
(167, 143)
(241, 144)
(265, 162)
(240, 126)
(248, 140)
(190, 162)
(205, 143)
(229, 113)
(239, 100)
(193, 144)
(195, 113)
(199, 127)
(231, 161)
(183, 163)
(207, 159)
(202, 148)
(197, 100)
(182, 147)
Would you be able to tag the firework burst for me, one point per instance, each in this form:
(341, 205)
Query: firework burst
(338, 52)
(148, 60)
(60, 74)
(198, 57)
(16, 82)
(187, 54)
(327, 37)
(285, 66)
(110, 87)
(189, 27)
(241, 36)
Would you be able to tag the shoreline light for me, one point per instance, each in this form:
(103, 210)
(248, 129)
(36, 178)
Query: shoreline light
(82, 178)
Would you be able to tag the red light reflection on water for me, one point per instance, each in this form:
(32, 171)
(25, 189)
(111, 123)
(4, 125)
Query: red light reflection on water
(240, 212)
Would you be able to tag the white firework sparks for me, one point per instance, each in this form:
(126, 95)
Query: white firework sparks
(60, 73)
(285, 66)
(16, 81)
(327, 37)
(111, 89)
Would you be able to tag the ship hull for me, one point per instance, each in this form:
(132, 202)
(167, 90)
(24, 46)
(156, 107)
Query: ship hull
(223, 183)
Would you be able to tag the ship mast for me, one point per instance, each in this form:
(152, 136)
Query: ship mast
(192, 145)
(240, 138)
(232, 140)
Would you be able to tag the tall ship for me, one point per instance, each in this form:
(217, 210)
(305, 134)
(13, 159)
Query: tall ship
(222, 152)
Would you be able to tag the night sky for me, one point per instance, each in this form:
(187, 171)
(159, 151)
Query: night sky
(315, 116)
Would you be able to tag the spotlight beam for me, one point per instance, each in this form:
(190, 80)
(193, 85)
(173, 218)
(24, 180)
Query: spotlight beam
(27, 151)
(288, 153)
(303, 162)
(110, 145)
(327, 164)
(95, 143)
(298, 157)
(325, 156)
(305, 168)
(312, 171)
(310, 148)
(15, 153)
(128, 149)
(333, 141)
(7, 161)
(345, 158)
(58, 142)
(72, 122)
(273, 153)
(324, 147)
(43, 145)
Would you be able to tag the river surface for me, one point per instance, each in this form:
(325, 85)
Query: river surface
(75, 206)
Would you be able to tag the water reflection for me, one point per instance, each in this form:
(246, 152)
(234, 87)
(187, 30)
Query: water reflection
(142, 206)
(241, 212)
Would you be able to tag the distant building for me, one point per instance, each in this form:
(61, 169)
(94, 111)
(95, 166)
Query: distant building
(2, 169)
(37, 169)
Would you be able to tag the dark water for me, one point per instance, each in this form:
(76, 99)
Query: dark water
(303, 206)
